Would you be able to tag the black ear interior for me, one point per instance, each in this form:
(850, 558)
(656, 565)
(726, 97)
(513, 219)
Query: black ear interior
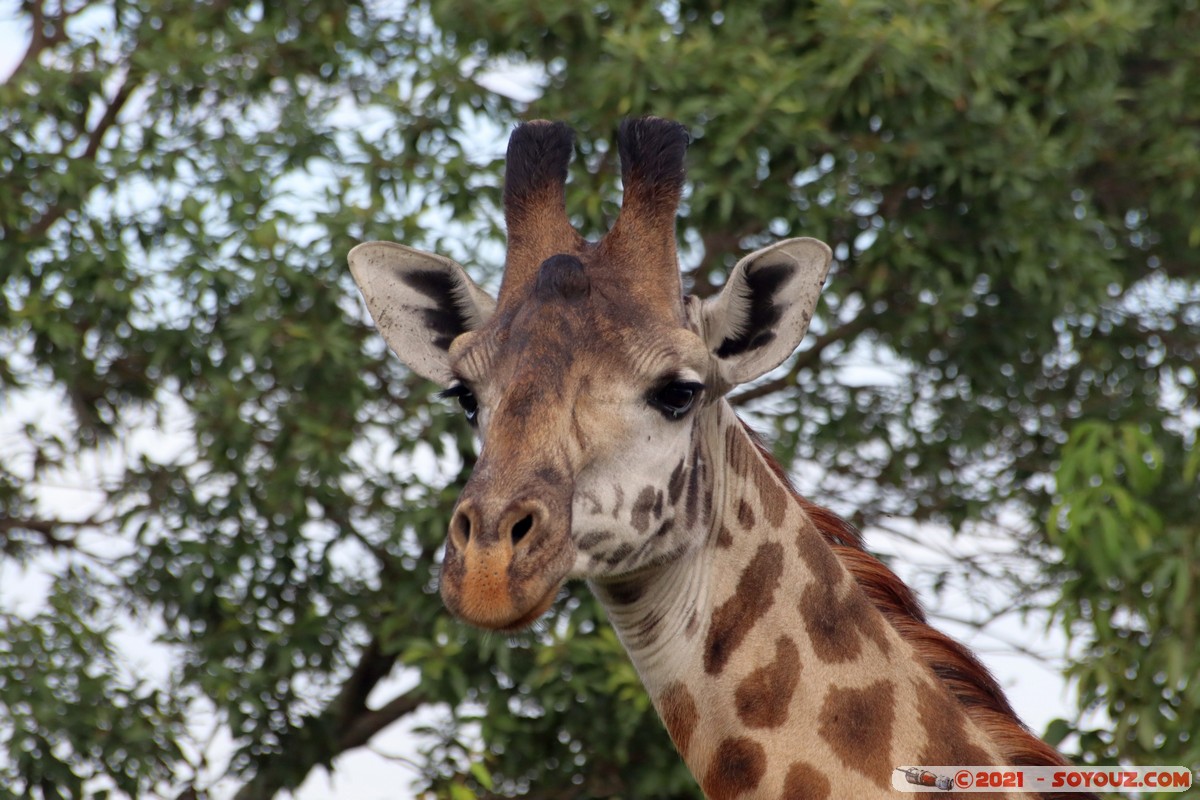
(762, 313)
(448, 317)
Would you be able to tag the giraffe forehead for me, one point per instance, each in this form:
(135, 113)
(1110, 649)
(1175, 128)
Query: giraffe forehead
(594, 335)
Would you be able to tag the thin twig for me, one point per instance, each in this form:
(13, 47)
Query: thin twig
(103, 125)
(807, 358)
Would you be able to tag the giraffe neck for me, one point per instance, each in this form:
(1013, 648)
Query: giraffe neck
(773, 672)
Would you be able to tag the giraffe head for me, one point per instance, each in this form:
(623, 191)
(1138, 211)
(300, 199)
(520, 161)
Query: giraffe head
(589, 377)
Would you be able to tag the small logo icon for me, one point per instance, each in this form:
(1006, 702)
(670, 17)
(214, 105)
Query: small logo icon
(923, 777)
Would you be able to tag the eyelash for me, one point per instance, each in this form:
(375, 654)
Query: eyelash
(466, 399)
(675, 398)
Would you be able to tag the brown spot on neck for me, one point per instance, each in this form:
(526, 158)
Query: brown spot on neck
(836, 622)
(724, 537)
(739, 453)
(737, 766)
(678, 710)
(805, 782)
(745, 514)
(837, 625)
(818, 557)
(968, 682)
(753, 597)
(946, 740)
(774, 496)
(749, 462)
(763, 696)
(857, 724)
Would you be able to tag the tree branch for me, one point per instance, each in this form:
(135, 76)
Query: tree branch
(45, 32)
(717, 244)
(353, 722)
(105, 123)
(360, 730)
(372, 667)
(45, 528)
(110, 116)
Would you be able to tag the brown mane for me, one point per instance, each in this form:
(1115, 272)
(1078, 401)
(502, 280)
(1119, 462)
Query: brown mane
(956, 667)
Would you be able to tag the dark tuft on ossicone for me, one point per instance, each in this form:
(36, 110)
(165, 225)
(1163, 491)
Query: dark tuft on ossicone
(652, 152)
(538, 155)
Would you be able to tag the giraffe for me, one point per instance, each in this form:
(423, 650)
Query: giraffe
(784, 660)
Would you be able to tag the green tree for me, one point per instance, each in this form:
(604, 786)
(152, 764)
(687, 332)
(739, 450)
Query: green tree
(1010, 190)
(1126, 526)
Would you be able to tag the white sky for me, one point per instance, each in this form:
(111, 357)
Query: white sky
(1033, 684)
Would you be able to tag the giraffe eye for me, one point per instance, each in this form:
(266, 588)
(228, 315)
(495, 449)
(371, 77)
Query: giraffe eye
(675, 398)
(466, 399)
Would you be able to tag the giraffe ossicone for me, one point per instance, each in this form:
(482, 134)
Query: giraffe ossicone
(610, 454)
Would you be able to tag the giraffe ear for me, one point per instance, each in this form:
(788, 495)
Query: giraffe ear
(763, 311)
(420, 302)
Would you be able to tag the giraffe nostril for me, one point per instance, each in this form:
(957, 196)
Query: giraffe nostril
(522, 528)
(461, 530)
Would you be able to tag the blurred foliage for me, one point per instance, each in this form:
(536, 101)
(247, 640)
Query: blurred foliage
(1126, 525)
(1011, 192)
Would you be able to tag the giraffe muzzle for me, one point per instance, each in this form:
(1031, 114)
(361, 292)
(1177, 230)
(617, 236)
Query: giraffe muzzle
(504, 564)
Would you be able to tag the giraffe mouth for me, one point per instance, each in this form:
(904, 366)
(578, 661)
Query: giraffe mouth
(534, 613)
(507, 554)
(497, 588)
(511, 617)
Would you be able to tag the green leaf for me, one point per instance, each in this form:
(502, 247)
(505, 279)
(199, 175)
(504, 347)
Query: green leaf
(1182, 587)
(480, 773)
(1056, 731)
(1147, 731)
